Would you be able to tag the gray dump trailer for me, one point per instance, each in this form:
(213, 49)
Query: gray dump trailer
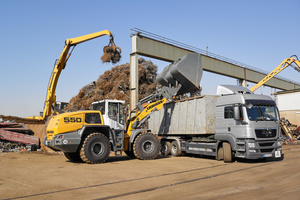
(235, 123)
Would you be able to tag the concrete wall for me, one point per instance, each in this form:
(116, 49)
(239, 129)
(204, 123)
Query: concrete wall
(289, 101)
(289, 106)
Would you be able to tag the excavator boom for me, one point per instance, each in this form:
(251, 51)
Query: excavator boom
(287, 62)
(62, 61)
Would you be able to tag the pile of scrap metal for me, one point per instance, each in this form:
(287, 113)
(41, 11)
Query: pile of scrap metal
(290, 133)
(16, 137)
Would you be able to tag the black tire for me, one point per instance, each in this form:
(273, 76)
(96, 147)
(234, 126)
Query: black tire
(73, 157)
(95, 148)
(146, 146)
(130, 154)
(220, 155)
(165, 148)
(175, 149)
(227, 152)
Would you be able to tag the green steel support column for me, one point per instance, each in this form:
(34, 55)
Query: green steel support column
(134, 85)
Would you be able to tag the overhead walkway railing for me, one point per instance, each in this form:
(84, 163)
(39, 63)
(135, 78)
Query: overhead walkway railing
(166, 41)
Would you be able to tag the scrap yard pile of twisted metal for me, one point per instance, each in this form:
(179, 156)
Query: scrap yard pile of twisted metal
(16, 137)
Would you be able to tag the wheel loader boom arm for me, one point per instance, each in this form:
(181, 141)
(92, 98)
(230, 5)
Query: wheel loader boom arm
(60, 65)
(287, 62)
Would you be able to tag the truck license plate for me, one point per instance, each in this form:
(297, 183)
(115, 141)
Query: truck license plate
(268, 155)
(277, 154)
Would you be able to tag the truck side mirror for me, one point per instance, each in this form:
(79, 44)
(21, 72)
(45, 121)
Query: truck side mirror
(236, 113)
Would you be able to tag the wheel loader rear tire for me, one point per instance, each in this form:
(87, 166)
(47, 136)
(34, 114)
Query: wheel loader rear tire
(146, 146)
(130, 154)
(95, 148)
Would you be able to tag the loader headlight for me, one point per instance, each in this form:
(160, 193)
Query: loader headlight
(251, 145)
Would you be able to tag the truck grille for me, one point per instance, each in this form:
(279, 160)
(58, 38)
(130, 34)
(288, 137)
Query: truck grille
(265, 133)
(267, 147)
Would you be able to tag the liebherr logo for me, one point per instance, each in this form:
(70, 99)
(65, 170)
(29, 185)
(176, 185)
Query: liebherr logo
(156, 104)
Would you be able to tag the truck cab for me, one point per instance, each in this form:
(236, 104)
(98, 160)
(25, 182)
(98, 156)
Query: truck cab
(249, 122)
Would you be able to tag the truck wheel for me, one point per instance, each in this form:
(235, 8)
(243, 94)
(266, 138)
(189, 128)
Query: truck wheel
(73, 157)
(95, 148)
(220, 155)
(146, 146)
(227, 152)
(175, 149)
(165, 148)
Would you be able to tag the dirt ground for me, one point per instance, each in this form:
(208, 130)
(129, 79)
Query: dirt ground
(38, 175)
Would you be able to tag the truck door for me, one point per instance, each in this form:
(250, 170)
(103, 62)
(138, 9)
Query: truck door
(232, 125)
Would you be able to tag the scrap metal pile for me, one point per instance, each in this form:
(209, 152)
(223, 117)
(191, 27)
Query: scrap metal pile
(16, 137)
(290, 133)
(114, 84)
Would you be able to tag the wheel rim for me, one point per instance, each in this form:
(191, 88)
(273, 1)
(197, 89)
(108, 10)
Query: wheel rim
(174, 148)
(97, 148)
(148, 146)
(164, 149)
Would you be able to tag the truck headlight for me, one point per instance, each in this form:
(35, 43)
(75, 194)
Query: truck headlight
(251, 145)
(279, 143)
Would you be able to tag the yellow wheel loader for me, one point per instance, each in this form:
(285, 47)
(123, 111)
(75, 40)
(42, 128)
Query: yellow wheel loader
(91, 135)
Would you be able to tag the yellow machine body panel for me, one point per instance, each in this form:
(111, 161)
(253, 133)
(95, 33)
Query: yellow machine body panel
(154, 106)
(73, 121)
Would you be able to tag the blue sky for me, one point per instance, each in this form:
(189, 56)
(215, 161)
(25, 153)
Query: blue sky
(258, 33)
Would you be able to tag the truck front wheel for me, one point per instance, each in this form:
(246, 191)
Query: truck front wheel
(146, 146)
(95, 148)
(220, 155)
(227, 152)
(175, 149)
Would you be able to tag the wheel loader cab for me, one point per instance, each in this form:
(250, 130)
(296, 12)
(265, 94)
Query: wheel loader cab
(112, 112)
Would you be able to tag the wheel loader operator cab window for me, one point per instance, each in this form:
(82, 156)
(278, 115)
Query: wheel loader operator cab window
(92, 118)
(99, 106)
(116, 113)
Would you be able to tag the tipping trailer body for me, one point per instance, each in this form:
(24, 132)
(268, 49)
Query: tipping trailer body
(237, 123)
(194, 116)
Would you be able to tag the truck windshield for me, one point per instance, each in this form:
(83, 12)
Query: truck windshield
(262, 113)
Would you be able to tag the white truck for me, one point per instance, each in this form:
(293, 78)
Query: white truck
(235, 123)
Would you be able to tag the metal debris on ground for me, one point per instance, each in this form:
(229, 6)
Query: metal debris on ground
(290, 133)
(16, 137)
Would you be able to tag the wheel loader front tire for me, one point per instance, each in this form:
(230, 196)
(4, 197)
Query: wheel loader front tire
(146, 146)
(95, 148)
(73, 157)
